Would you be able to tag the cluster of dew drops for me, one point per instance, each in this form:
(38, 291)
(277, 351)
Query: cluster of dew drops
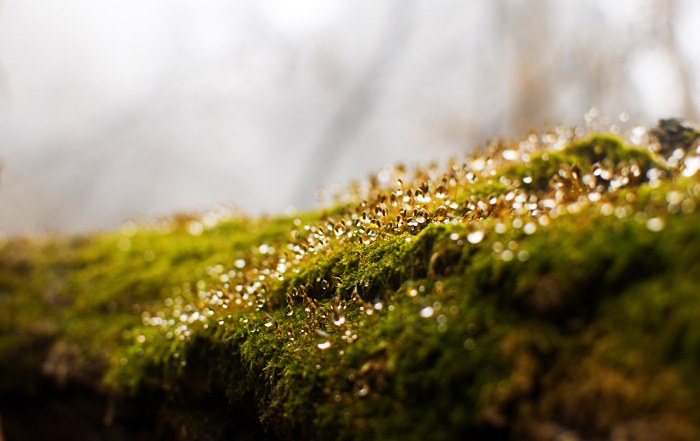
(396, 204)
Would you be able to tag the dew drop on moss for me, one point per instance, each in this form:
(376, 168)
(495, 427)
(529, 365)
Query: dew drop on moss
(656, 224)
(338, 320)
(475, 237)
(267, 321)
(441, 192)
(323, 341)
(523, 256)
(124, 244)
(530, 228)
(440, 213)
(427, 312)
(364, 390)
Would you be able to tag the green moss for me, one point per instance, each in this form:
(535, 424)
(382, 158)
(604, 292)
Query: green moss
(537, 296)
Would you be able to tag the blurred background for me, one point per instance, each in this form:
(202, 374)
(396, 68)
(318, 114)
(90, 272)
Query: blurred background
(117, 109)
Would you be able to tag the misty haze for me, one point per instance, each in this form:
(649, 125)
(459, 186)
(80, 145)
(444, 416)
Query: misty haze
(116, 110)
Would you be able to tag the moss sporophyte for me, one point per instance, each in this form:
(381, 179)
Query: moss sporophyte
(537, 289)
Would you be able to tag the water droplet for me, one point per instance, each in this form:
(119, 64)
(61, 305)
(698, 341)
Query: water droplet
(530, 228)
(674, 197)
(440, 213)
(606, 209)
(322, 339)
(124, 244)
(475, 237)
(441, 192)
(337, 319)
(656, 224)
(267, 320)
(289, 310)
(340, 229)
(427, 312)
(510, 155)
(523, 256)
(478, 164)
(692, 165)
(363, 391)
(195, 228)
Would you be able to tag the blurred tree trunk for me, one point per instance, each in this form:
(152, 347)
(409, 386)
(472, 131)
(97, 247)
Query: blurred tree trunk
(357, 107)
(668, 38)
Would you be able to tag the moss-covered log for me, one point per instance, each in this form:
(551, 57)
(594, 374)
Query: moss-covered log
(541, 290)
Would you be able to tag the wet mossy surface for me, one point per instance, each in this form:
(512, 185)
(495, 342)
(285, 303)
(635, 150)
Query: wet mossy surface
(543, 290)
